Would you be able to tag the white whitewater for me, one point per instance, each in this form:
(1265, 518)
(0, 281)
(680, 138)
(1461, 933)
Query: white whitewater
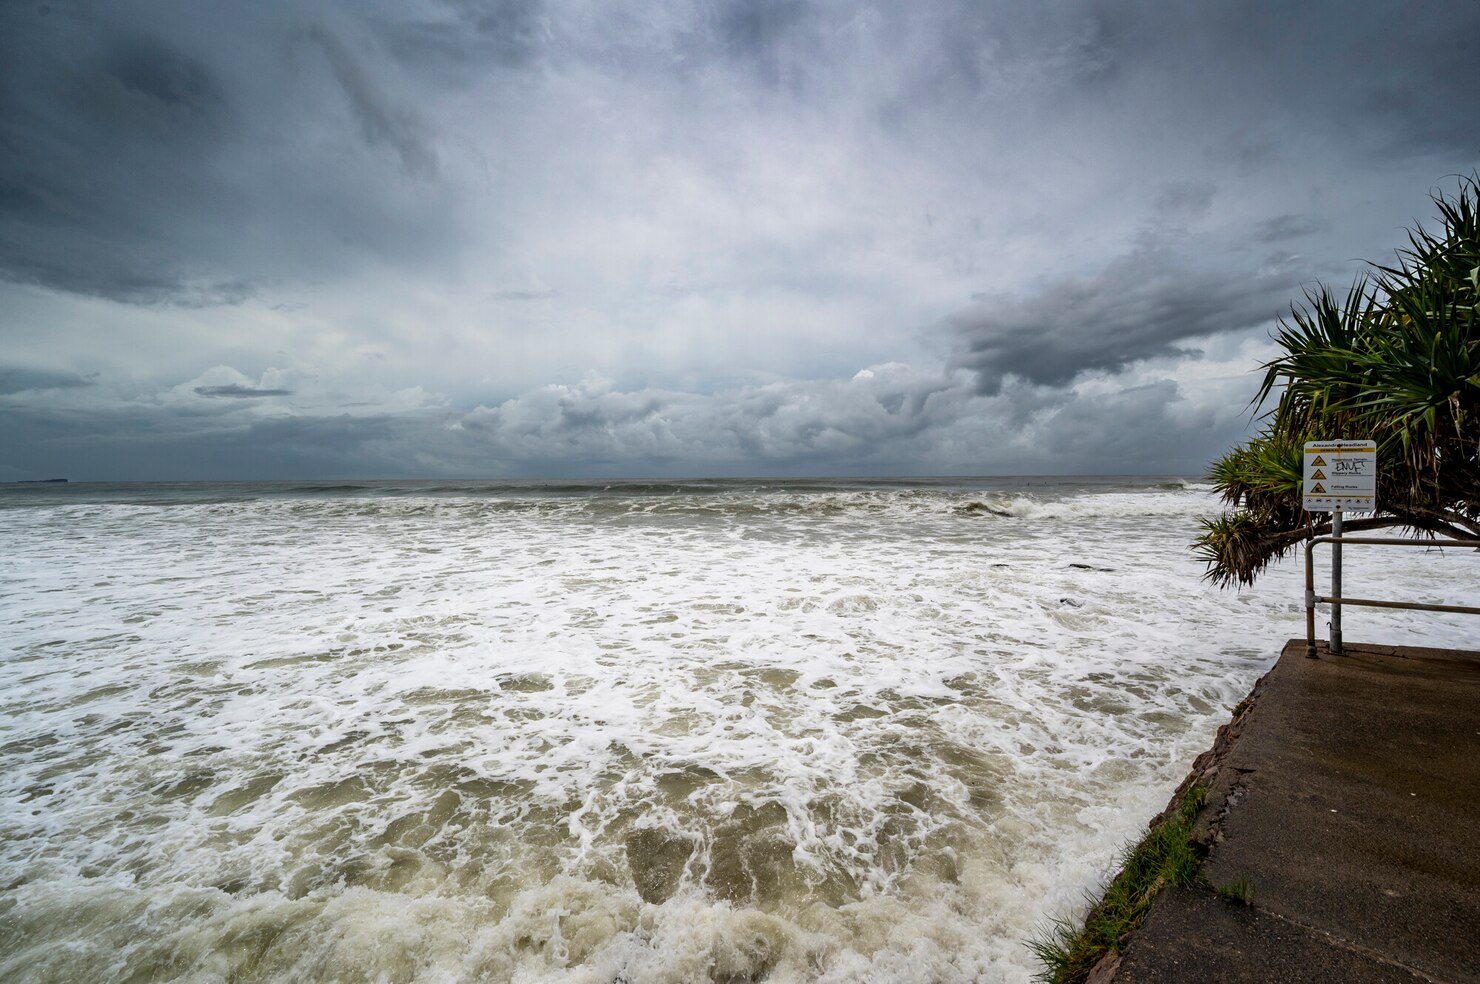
(803, 732)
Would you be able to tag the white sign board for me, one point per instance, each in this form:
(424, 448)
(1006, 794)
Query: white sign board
(1340, 473)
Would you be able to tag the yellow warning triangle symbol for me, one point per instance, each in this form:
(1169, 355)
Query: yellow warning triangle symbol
(1318, 489)
(1319, 475)
(1319, 462)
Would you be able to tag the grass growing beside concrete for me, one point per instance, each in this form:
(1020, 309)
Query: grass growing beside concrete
(1165, 856)
(1239, 892)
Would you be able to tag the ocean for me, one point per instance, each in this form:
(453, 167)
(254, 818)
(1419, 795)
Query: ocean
(827, 730)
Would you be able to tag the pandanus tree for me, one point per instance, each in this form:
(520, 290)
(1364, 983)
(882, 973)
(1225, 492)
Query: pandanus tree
(1396, 361)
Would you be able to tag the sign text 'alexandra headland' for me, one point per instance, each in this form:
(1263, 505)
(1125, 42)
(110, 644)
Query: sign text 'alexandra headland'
(1340, 475)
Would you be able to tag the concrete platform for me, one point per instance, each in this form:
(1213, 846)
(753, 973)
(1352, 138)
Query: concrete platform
(1349, 798)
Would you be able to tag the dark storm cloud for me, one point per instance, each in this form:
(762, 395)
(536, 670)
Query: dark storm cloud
(157, 154)
(169, 82)
(728, 205)
(1427, 102)
(88, 120)
(240, 392)
(147, 444)
(1143, 305)
(135, 138)
(1394, 78)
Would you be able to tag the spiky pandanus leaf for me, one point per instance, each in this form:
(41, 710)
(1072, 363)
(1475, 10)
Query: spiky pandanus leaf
(1397, 361)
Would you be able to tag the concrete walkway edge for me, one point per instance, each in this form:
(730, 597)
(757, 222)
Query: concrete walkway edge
(1346, 795)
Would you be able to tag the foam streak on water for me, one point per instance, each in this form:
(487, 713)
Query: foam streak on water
(727, 732)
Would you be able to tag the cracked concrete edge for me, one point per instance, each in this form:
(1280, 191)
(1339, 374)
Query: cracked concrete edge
(1206, 769)
(1227, 783)
(1211, 766)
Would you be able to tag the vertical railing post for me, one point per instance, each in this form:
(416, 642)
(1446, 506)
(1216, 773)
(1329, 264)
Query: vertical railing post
(1336, 580)
(1310, 603)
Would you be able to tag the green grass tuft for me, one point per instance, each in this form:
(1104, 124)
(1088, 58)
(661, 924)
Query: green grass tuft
(1239, 892)
(1165, 856)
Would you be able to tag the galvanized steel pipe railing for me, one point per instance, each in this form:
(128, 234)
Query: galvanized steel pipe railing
(1312, 599)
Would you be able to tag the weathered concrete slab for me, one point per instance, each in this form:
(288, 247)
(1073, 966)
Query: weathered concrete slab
(1241, 945)
(1350, 801)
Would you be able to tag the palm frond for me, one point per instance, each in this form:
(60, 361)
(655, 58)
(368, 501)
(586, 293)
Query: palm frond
(1395, 360)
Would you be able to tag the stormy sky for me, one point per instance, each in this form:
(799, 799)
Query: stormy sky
(487, 238)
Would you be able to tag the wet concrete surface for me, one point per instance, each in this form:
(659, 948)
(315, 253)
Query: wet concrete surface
(1350, 804)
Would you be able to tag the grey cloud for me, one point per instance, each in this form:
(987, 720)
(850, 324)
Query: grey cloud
(1141, 306)
(88, 125)
(1250, 82)
(1137, 425)
(240, 392)
(1289, 226)
(870, 418)
(749, 27)
(897, 421)
(754, 33)
(1394, 76)
(169, 81)
(457, 39)
(1427, 104)
(381, 122)
(660, 178)
(524, 295)
(191, 156)
(1185, 198)
(150, 444)
(138, 276)
(19, 380)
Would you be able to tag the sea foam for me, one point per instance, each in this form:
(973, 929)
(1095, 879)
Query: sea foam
(665, 734)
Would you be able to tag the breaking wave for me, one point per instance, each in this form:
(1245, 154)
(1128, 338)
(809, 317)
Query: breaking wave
(662, 732)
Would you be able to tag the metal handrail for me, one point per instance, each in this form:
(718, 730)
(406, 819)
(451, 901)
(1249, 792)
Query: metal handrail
(1336, 601)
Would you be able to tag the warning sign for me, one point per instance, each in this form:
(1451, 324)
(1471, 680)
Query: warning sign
(1340, 474)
